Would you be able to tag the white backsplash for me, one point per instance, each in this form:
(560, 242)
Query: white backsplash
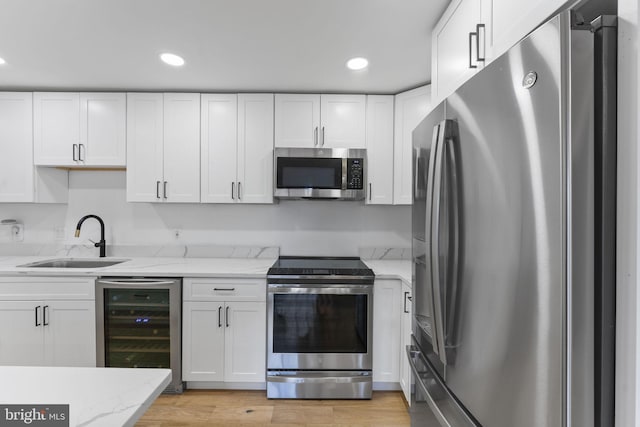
(327, 228)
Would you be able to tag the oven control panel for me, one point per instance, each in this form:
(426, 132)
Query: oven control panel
(355, 174)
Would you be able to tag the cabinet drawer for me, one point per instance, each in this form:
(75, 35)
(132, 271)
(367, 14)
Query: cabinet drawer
(49, 288)
(224, 289)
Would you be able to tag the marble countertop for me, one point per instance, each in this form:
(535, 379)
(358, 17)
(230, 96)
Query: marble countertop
(96, 397)
(149, 267)
(184, 267)
(391, 269)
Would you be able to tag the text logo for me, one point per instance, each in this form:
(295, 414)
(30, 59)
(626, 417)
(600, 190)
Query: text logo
(34, 415)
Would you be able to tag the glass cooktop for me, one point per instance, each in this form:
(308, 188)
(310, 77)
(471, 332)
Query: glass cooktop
(320, 266)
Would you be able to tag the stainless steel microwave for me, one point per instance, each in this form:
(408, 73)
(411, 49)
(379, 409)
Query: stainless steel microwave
(320, 173)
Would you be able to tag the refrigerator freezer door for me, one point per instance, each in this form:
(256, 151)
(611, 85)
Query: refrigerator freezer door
(507, 336)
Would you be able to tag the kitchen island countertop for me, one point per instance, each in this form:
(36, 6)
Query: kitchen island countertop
(108, 397)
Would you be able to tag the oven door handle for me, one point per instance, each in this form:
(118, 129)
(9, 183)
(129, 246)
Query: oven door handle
(322, 378)
(339, 290)
(140, 283)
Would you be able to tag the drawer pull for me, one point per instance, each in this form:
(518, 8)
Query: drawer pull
(224, 289)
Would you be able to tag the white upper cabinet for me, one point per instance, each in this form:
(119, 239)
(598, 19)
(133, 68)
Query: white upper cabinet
(472, 33)
(20, 181)
(297, 120)
(16, 146)
(79, 129)
(103, 131)
(343, 123)
(255, 148)
(237, 148)
(181, 163)
(163, 147)
(332, 121)
(458, 45)
(411, 107)
(380, 149)
(511, 20)
(219, 129)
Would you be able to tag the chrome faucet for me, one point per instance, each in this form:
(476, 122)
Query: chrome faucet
(101, 244)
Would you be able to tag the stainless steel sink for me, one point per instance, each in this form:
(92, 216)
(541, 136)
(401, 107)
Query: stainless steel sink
(74, 263)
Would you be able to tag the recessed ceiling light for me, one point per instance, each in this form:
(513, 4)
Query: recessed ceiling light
(2, 61)
(357, 63)
(171, 59)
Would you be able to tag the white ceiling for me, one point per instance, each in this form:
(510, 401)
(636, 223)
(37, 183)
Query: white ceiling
(228, 45)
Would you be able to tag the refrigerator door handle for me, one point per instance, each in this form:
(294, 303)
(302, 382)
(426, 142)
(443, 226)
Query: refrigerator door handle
(451, 137)
(412, 354)
(436, 194)
(435, 319)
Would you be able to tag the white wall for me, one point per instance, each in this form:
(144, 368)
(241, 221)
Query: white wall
(297, 227)
(628, 239)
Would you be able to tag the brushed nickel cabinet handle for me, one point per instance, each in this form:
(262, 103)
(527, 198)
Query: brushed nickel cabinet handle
(471, 35)
(164, 188)
(478, 28)
(75, 146)
(157, 189)
(233, 187)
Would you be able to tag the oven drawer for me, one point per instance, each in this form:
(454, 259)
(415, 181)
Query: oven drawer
(222, 289)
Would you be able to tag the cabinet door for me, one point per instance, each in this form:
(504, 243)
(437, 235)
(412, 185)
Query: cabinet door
(70, 333)
(56, 128)
(219, 129)
(387, 305)
(103, 129)
(405, 340)
(21, 341)
(343, 123)
(255, 148)
(411, 107)
(203, 341)
(512, 20)
(297, 120)
(144, 147)
(380, 149)
(452, 60)
(16, 146)
(245, 341)
(181, 147)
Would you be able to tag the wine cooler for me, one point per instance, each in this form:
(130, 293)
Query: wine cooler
(139, 325)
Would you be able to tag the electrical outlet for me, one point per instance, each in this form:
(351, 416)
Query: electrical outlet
(17, 232)
(58, 231)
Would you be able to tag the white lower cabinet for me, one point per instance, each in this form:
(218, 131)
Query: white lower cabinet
(47, 321)
(387, 304)
(224, 330)
(405, 340)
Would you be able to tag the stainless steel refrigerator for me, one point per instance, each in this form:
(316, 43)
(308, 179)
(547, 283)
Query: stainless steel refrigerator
(514, 238)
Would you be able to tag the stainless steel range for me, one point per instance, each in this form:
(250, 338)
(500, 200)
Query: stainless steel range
(319, 314)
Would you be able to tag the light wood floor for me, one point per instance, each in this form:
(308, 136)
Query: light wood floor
(252, 408)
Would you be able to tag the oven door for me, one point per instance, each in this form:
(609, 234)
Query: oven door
(319, 327)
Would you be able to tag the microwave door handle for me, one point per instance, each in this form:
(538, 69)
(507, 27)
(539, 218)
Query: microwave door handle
(438, 314)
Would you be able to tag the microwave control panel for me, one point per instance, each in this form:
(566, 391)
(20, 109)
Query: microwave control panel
(355, 174)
